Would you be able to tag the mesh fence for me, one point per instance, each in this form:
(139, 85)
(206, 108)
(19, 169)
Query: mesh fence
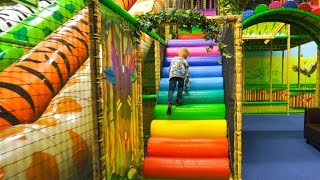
(46, 114)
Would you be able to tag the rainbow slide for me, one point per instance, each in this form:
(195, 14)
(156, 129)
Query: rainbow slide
(46, 125)
(192, 142)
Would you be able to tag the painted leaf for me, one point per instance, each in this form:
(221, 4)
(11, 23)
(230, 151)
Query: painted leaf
(133, 76)
(109, 74)
(114, 58)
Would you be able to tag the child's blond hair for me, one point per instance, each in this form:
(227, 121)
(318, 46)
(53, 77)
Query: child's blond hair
(184, 52)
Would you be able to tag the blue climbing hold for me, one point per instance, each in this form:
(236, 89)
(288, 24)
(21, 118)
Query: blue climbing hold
(247, 13)
(290, 4)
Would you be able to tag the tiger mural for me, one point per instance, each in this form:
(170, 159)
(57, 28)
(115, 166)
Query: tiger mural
(11, 15)
(57, 145)
(27, 86)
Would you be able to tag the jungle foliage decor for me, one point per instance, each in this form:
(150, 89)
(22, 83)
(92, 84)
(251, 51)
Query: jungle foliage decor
(232, 6)
(184, 19)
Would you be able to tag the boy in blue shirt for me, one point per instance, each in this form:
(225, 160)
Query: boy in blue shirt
(178, 72)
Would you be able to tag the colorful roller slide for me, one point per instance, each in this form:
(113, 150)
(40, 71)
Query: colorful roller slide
(48, 82)
(192, 142)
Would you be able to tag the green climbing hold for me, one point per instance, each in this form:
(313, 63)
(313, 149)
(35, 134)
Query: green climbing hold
(70, 7)
(260, 8)
(47, 31)
(21, 34)
(57, 16)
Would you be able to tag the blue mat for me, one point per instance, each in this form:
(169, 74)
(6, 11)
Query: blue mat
(198, 61)
(198, 71)
(274, 149)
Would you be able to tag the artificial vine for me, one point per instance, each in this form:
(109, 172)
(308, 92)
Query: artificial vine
(184, 19)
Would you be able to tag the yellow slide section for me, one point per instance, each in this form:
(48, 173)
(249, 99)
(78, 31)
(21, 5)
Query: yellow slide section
(189, 129)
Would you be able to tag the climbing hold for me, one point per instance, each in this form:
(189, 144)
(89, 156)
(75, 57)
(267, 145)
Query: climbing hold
(305, 6)
(275, 4)
(260, 8)
(247, 14)
(290, 4)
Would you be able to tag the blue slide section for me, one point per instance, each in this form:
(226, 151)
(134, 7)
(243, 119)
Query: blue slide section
(205, 83)
(198, 71)
(198, 61)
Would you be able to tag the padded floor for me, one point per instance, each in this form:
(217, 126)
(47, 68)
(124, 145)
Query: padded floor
(274, 149)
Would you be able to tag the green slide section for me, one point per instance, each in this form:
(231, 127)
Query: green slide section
(195, 97)
(195, 30)
(35, 29)
(191, 112)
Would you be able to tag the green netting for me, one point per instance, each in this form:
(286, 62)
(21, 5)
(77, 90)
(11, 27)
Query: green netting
(191, 112)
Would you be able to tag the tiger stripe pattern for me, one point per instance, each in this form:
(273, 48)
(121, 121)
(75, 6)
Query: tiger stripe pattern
(57, 145)
(27, 86)
(12, 15)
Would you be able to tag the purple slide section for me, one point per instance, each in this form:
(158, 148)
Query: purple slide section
(190, 42)
(193, 51)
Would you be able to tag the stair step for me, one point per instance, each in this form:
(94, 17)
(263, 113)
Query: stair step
(193, 51)
(198, 61)
(193, 148)
(208, 83)
(191, 36)
(196, 168)
(189, 128)
(191, 112)
(190, 42)
(194, 97)
(198, 71)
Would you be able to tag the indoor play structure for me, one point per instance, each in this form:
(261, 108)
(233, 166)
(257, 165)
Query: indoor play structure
(71, 89)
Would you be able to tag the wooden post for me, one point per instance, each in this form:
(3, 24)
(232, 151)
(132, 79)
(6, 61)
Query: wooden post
(192, 4)
(237, 166)
(299, 60)
(270, 90)
(282, 68)
(288, 68)
(139, 101)
(316, 101)
(98, 150)
(157, 65)
(204, 4)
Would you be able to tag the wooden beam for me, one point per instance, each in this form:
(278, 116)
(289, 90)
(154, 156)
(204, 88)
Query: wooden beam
(276, 30)
(288, 68)
(299, 61)
(270, 90)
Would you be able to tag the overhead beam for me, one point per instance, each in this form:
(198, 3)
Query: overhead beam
(276, 30)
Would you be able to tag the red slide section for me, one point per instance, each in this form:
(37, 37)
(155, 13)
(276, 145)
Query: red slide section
(201, 148)
(199, 168)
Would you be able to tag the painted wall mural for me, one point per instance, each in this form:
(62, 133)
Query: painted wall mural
(123, 145)
(257, 66)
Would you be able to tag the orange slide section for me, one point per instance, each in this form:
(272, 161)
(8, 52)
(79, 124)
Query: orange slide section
(27, 86)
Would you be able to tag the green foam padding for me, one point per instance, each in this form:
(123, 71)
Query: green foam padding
(191, 112)
(195, 97)
(195, 30)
